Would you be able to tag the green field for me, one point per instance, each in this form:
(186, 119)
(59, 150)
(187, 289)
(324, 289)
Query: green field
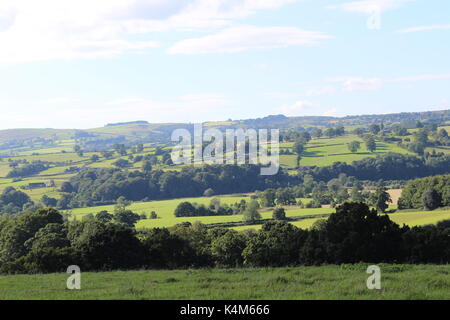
(410, 218)
(318, 152)
(165, 209)
(302, 224)
(418, 218)
(166, 218)
(326, 151)
(59, 162)
(296, 283)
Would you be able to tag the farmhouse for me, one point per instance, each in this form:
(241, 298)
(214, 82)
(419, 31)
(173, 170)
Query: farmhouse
(36, 185)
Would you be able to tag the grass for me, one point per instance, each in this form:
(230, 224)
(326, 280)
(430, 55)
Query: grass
(443, 149)
(325, 151)
(302, 224)
(409, 218)
(166, 208)
(36, 194)
(4, 169)
(418, 218)
(296, 283)
(321, 152)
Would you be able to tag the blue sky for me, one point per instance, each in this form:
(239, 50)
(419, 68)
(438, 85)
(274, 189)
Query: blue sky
(82, 64)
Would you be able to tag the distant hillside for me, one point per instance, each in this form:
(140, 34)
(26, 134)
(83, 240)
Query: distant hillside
(409, 119)
(23, 134)
(127, 123)
(142, 131)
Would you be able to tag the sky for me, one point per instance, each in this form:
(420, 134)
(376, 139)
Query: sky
(84, 63)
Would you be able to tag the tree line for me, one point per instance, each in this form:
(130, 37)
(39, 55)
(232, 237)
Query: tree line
(215, 208)
(92, 187)
(329, 185)
(42, 242)
(28, 169)
(426, 193)
(99, 186)
(390, 166)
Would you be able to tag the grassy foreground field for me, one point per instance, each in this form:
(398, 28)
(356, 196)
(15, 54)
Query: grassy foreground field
(325, 282)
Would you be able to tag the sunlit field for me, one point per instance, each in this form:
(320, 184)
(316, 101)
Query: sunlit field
(326, 151)
(165, 211)
(299, 283)
(418, 218)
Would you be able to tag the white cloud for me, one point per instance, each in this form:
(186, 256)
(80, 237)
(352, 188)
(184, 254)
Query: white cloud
(242, 38)
(183, 107)
(370, 6)
(67, 29)
(424, 77)
(296, 109)
(60, 100)
(319, 91)
(330, 113)
(352, 84)
(425, 28)
(51, 29)
(306, 108)
(325, 90)
(282, 95)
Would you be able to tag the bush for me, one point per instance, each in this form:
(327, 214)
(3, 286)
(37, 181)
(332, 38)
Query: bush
(106, 246)
(251, 213)
(227, 249)
(431, 199)
(279, 214)
(208, 192)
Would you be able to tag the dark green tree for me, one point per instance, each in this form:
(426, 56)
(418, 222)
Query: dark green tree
(227, 249)
(185, 209)
(251, 213)
(354, 146)
(279, 214)
(381, 199)
(126, 217)
(104, 216)
(431, 199)
(370, 143)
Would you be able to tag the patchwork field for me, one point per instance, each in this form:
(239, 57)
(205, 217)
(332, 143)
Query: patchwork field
(165, 209)
(302, 224)
(326, 151)
(409, 218)
(166, 218)
(318, 152)
(299, 283)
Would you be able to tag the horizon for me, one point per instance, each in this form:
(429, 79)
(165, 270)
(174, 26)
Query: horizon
(219, 120)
